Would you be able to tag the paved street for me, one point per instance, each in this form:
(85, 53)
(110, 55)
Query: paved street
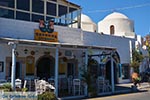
(143, 95)
(131, 96)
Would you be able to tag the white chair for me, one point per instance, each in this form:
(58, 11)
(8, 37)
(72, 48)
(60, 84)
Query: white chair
(101, 84)
(40, 86)
(76, 86)
(107, 86)
(28, 80)
(25, 83)
(18, 83)
(70, 84)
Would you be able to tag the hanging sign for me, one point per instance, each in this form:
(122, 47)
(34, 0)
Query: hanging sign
(46, 32)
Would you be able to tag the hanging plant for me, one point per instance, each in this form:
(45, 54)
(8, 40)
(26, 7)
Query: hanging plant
(65, 59)
(32, 52)
(92, 62)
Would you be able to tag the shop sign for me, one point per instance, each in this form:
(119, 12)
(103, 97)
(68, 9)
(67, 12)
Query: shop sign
(46, 32)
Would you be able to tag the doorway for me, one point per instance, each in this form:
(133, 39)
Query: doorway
(108, 72)
(18, 70)
(45, 67)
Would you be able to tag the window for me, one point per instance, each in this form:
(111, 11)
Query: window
(125, 71)
(23, 4)
(38, 6)
(50, 18)
(30, 65)
(72, 9)
(51, 9)
(7, 3)
(6, 13)
(1, 66)
(36, 18)
(73, 13)
(112, 29)
(62, 10)
(23, 16)
(54, 0)
(70, 69)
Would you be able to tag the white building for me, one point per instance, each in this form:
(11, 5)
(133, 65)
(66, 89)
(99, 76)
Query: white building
(117, 24)
(86, 24)
(65, 56)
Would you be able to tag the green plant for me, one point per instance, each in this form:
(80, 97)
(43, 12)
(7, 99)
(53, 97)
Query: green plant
(137, 59)
(24, 89)
(7, 85)
(87, 78)
(47, 96)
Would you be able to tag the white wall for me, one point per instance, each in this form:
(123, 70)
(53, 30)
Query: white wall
(122, 26)
(25, 30)
(4, 52)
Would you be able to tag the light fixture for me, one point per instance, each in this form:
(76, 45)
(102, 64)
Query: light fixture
(16, 53)
(25, 51)
(32, 52)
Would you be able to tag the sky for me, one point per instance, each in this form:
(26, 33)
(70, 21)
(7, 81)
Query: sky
(136, 10)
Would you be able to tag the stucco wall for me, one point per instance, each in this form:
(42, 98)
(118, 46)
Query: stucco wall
(122, 26)
(25, 30)
(121, 43)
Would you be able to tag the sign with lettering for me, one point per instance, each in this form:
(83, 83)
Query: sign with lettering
(46, 32)
(45, 36)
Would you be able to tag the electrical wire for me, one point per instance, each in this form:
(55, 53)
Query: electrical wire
(118, 9)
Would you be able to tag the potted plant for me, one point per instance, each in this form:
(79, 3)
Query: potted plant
(6, 87)
(87, 78)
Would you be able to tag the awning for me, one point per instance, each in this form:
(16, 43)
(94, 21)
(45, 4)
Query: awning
(45, 44)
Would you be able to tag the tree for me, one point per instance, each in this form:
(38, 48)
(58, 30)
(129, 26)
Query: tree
(137, 59)
(146, 42)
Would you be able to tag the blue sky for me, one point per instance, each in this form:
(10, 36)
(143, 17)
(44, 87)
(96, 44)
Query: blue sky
(136, 10)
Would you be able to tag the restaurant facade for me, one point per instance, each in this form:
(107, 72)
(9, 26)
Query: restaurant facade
(36, 39)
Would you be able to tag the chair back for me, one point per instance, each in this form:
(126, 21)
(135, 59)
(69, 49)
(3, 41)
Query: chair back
(18, 83)
(76, 81)
(25, 83)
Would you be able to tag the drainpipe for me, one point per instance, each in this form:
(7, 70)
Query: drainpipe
(13, 64)
(56, 72)
(112, 74)
(86, 65)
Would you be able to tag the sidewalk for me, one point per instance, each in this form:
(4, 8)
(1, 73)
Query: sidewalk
(124, 89)
(144, 86)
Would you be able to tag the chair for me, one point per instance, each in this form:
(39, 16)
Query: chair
(28, 83)
(25, 83)
(40, 86)
(51, 81)
(101, 84)
(18, 83)
(107, 86)
(76, 86)
(70, 83)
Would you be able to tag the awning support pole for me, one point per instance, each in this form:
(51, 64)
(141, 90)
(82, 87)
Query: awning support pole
(56, 72)
(112, 74)
(13, 64)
